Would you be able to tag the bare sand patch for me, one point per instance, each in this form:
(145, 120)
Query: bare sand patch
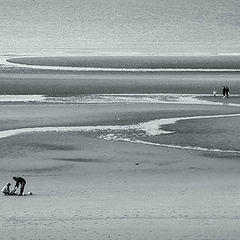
(91, 188)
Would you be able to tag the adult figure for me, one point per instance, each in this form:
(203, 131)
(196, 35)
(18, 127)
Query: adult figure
(19, 181)
(227, 91)
(224, 91)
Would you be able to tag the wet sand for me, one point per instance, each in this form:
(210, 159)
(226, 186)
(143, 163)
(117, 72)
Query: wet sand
(55, 83)
(93, 189)
(132, 62)
(89, 188)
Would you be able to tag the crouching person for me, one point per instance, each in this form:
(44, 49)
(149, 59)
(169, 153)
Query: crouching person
(6, 189)
(19, 181)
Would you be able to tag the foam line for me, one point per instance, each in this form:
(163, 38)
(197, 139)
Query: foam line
(150, 128)
(22, 98)
(182, 147)
(14, 132)
(117, 98)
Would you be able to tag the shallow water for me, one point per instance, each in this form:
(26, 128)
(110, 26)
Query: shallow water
(209, 133)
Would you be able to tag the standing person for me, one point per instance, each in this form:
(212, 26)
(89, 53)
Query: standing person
(227, 91)
(224, 91)
(6, 189)
(19, 181)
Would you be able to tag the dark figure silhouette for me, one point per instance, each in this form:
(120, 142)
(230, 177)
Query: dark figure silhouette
(227, 91)
(224, 92)
(19, 181)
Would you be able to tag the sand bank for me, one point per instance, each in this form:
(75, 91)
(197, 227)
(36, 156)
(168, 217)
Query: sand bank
(132, 63)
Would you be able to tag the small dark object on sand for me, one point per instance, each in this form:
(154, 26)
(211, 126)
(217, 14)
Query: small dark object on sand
(137, 163)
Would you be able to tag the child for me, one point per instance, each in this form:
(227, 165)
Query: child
(6, 189)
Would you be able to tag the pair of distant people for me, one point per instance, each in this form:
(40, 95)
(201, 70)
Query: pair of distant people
(20, 182)
(225, 91)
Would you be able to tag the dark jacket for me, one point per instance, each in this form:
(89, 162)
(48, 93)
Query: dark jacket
(19, 180)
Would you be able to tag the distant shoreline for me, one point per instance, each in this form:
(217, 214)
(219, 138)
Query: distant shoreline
(201, 63)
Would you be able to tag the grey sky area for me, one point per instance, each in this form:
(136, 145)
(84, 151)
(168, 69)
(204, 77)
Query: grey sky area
(160, 26)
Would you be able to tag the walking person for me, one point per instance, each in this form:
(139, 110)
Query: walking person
(19, 181)
(224, 91)
(227, 91)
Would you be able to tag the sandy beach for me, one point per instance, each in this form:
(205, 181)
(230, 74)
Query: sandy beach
(123, 119)
(90, 188)
(86, 188)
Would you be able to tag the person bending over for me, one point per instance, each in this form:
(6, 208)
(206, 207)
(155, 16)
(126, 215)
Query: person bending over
(19, 181)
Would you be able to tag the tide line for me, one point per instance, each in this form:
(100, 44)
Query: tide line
(22, 98)
(118, 98)
(151, 128)
(5, 62)
(203, 149)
